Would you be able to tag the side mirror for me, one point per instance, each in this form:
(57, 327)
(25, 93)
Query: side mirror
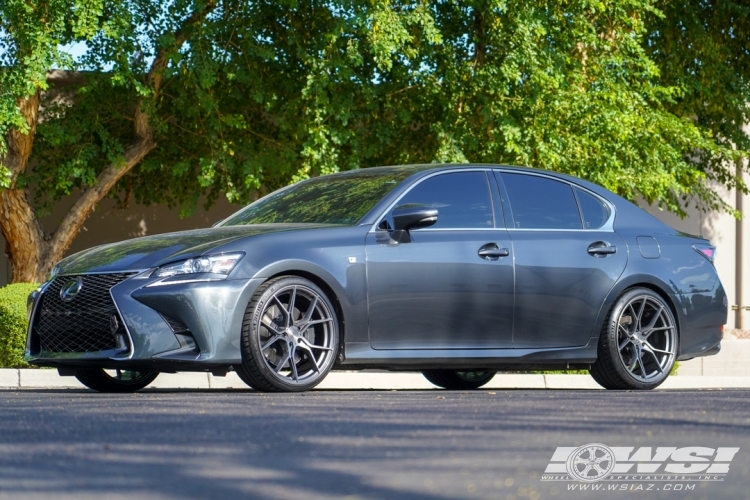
(408, 217)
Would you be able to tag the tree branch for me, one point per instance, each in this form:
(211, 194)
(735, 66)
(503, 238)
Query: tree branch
(142, 144)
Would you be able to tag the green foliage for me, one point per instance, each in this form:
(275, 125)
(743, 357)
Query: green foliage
(31, 35)
(13, 324)
(644, 97)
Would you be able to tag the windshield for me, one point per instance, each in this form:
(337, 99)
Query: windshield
(332, 199)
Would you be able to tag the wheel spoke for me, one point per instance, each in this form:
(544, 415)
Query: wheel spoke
(270, 327)
(640, 314)
(658, 329)
(624, 343)
(309, 345)
(653, 321)
(634, 317)
(280, 365)
(318, 321)
(662, 328)
(634, 363)
(640, 363)
(292, 300)
(303, 329)
(312, 356)
(658, 363)
(654, 349)
(286, 313)
(293, 364)
(310, 311)
(272, 341)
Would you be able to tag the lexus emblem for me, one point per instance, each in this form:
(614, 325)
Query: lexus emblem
(70, 289)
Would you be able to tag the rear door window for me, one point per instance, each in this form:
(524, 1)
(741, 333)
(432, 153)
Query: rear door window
(541, 203)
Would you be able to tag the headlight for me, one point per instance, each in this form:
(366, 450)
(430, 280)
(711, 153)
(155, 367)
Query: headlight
(215, 264)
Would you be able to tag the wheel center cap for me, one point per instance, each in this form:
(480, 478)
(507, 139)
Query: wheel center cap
(293, 332)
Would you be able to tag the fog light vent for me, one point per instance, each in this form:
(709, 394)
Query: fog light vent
(175, 325)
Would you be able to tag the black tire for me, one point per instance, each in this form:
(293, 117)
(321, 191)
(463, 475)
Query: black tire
(452, 379)
(123, 381)
(306, 339)
(639, 343)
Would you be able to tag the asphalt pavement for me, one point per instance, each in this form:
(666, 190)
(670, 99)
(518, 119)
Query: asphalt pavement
(191, 444)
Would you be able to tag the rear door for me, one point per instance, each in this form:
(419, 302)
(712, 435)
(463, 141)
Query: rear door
(437, 292)
(567, 258)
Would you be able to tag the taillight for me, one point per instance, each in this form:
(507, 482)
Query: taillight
(706, 250)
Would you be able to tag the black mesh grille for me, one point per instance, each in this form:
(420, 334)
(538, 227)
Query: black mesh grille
(87, 323)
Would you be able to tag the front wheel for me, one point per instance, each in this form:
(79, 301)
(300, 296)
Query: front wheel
(102, 380)
(290, 336)
(451, 379)
(639, 343)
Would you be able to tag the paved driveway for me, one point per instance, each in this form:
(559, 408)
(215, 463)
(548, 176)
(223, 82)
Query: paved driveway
(341, 444)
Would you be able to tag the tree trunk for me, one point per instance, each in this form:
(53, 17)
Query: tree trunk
(31, 251)
(24, 238)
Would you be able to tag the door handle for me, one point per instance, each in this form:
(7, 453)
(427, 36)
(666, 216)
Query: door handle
(601, 249)
(491, 251)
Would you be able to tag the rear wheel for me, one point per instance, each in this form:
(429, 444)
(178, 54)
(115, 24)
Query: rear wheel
(639, 343)
(290, 336)
(451, 379)
(102, 380)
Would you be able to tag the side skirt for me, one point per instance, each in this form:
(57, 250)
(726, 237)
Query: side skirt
(360, 355)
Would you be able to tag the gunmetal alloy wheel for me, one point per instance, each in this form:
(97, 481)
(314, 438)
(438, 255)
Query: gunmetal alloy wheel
(290, 336)
(451, 379)
(102, 380)
(639, 343)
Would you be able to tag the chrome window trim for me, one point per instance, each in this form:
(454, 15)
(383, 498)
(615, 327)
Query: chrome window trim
(427, 229)
(390, 207)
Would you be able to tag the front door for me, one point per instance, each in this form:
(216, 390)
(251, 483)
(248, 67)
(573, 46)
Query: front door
(437, 291)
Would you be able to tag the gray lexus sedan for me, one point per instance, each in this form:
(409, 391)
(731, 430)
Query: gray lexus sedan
(454, 271)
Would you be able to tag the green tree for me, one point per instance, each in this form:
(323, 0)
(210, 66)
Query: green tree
(32, 33)
(703, 49)
(233, 98)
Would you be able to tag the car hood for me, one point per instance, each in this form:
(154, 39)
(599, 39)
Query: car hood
(152, 251)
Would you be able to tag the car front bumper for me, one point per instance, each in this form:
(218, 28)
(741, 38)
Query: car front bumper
(161, 325)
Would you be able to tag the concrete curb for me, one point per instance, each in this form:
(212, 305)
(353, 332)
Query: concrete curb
(15, 379)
